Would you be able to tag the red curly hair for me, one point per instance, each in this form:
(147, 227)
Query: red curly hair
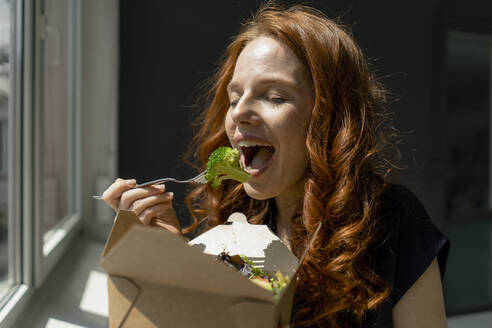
(337, 284)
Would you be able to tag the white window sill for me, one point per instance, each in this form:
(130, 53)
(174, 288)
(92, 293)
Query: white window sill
(74, 295)
(17, 300)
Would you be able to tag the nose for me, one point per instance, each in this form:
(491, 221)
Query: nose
(244, 112)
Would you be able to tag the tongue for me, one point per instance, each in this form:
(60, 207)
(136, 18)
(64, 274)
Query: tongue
(261, 157)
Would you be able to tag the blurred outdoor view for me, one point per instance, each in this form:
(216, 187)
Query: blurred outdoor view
(4, 120)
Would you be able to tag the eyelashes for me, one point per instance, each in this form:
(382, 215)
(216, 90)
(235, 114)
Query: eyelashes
(276, 100)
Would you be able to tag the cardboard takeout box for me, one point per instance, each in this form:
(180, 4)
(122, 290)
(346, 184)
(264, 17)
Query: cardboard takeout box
(156, 279)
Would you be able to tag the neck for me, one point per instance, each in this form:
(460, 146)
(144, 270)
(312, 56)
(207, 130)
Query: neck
(286, 209)
(287, 206)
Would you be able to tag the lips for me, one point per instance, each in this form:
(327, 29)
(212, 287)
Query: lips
(256, 155)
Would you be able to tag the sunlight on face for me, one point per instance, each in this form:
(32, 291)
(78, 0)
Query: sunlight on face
(270, 106)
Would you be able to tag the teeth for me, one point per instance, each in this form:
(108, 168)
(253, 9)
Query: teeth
(253, 143)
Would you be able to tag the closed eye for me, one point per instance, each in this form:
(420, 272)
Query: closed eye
(276, 100)
(233, 101)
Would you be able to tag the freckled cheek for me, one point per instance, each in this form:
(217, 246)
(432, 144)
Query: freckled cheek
(292, 138)
(296, 139)
(293, 127)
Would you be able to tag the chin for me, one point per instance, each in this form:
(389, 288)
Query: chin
(255, 193)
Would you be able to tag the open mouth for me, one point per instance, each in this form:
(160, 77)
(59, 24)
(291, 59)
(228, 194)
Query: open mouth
(255, 156)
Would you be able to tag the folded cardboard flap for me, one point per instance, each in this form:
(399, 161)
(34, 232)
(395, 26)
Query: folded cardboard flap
(122, 293)
(124, 299)
(284, 305)
(167, 306)
(142, 253)
(287, 294)
(246, 314)
(123, 222)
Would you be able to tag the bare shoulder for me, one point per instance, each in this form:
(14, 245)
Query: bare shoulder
(422, 305)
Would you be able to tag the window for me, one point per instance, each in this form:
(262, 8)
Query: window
(39, 143)
(5, 113)
(3, 141)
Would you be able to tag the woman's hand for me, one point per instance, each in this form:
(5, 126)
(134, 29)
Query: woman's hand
(152, 205)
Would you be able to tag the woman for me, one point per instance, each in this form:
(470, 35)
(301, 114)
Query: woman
(295, 96)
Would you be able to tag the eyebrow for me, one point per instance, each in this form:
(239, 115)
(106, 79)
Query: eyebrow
(232, 86)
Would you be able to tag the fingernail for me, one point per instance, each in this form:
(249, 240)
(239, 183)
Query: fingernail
(131, 182)
(170, 195)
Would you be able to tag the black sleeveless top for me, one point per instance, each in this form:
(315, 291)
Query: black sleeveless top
(411, 243)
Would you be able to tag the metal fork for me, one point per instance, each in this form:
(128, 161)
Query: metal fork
(199, 179)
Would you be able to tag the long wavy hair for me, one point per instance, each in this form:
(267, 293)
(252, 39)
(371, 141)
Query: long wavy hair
(337, 284)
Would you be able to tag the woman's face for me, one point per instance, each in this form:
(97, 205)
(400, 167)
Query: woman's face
(270, 106)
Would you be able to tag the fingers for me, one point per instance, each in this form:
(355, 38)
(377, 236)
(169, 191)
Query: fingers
(159, 210)
(162, 215)
(132, 195)
(113, 194)
(152, 205)
(142, 204)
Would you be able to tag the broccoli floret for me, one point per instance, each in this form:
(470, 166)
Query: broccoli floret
(223, 164)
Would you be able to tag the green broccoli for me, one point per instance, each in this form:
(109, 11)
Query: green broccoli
(223, 164)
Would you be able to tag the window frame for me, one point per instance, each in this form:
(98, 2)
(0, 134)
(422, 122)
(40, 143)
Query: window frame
(18, 295)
